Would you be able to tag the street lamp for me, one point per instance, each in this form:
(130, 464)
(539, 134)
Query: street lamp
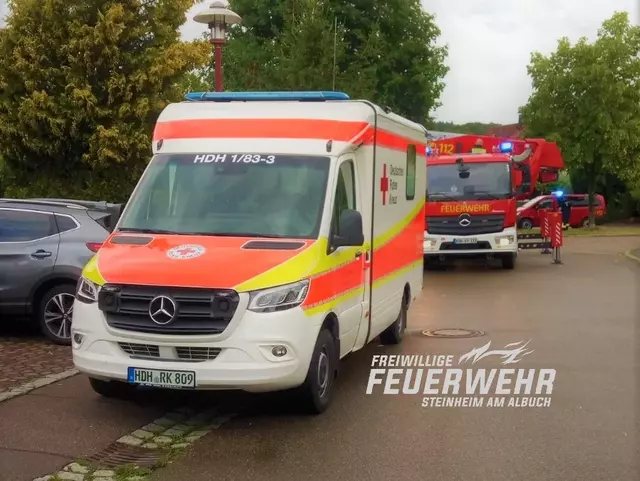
(218, 18)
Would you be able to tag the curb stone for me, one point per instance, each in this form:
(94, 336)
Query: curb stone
(172, 434)
(35, 384)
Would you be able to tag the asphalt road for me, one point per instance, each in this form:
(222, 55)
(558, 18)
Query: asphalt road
(580, 318)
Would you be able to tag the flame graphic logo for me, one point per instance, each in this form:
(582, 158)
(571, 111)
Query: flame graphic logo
(510, 356)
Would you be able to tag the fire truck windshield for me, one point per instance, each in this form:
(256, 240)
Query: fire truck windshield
(482, 180)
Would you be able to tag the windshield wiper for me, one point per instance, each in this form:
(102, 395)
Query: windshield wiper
(442, 194)
(488, 194)
(149, 231)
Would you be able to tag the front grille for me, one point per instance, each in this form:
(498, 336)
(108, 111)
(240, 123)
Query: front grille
(140, 350)
(197, 311)
(480, 224)
(450, 246)
(197, 353)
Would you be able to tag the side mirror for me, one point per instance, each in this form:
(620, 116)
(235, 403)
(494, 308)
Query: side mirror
(350, 230)
(523, 188)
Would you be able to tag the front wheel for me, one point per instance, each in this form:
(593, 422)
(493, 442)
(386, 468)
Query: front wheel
(526, 224)
(55, 313)
(509, 262)
(317, 390)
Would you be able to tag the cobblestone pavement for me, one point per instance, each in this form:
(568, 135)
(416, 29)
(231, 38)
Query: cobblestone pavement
(25, 357)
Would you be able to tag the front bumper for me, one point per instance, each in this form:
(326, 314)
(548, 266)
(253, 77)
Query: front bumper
(496, 244)
(245, 360)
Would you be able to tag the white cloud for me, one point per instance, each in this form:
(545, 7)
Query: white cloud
(490, 42)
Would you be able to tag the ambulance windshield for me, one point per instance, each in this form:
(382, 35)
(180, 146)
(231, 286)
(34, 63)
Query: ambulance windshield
(230, 194)
(472, 181)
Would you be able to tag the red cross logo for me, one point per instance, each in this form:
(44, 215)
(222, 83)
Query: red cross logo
(384, 184)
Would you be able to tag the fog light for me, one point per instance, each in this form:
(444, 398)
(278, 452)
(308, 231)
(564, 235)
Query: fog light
(279, 351)
(77, 339)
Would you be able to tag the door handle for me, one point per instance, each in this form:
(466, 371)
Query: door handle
(41, 254)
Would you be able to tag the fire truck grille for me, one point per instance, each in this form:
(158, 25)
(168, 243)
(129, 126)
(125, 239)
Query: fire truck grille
(479, 224)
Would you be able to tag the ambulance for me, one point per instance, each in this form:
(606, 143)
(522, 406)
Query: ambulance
(271, 234)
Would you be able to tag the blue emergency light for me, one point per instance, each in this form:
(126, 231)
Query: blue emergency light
(506, 147)
(558, 193)
(266, 96)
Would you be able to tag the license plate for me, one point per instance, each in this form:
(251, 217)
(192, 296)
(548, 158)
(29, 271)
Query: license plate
(466, 240)
(161, 378)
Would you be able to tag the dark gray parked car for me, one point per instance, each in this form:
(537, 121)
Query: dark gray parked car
(44, 244)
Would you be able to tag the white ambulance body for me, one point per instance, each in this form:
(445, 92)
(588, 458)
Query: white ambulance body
(271, 235)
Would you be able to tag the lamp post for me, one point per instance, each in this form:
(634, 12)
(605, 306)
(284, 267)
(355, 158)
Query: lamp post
(218, 18)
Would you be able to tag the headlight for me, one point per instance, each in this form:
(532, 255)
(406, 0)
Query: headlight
(430, 242)
(87, 291)
(504, 241)
(279, 298)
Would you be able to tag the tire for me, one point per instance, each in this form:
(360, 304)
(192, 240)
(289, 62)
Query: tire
(509, 262)
(316, 392)
(110, 389)
(395, 332)
(526, 223)
(54, 314)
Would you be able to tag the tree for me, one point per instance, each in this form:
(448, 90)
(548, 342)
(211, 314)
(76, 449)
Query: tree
(385, 51)
(81, 85)
(586, 97)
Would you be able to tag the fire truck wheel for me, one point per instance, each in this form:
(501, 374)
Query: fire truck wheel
(509, 261)
(526, 223)
(317, 389)
(395, 332)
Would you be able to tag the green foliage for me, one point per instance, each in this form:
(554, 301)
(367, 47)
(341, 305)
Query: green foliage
(474, 128)
(81, 85)
(586, 96)
(385, 51)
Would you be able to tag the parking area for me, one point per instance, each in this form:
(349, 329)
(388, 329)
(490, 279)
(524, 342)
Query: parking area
(580, 318)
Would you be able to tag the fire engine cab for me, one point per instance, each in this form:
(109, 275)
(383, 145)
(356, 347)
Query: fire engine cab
(471, 205)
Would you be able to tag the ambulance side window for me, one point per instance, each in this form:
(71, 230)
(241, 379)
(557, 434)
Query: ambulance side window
(411, 172)
(345, 194)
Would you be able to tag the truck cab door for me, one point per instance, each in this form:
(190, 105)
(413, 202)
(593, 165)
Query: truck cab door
(351, 287)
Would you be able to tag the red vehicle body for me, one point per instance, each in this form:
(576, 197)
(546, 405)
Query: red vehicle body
(476, 215)
(529, 213)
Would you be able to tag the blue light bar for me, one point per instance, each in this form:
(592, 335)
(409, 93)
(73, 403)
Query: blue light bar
(506, 147)
(558, 193)
(266, 96)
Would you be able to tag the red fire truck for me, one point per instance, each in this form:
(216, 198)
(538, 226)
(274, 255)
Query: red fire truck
(471, 206)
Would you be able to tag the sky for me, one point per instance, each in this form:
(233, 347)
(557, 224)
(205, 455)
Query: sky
(490, 43)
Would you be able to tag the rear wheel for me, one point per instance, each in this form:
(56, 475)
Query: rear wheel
(110, 389)
(395, 332)
(55, 312)
(317, 390)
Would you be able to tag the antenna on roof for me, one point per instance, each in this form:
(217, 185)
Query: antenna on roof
(335, 48)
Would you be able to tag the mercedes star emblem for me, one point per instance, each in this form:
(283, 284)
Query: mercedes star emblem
(162, 310)
(464, 220)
